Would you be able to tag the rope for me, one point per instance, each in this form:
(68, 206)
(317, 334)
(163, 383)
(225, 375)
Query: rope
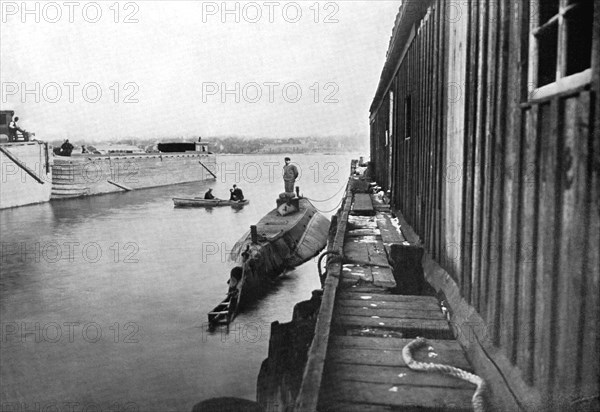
(323, 276)
(478, 397)
(326, 200)
(331, 210)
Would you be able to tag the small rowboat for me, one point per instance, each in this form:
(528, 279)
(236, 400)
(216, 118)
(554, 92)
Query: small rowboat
(197, 202)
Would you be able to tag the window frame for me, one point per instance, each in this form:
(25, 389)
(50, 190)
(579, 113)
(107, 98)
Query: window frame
(562, 82)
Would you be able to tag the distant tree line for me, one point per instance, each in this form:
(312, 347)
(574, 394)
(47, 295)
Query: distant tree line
(240, 145)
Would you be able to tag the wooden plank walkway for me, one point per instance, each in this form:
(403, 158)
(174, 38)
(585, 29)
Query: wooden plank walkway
(362, 204)
(369, 323)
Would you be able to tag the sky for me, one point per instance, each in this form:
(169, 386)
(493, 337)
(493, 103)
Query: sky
(149, 69)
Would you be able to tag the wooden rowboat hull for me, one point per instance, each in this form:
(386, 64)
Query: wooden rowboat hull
(192, 202)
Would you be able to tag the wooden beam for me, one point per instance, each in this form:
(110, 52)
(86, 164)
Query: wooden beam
(126, 188)
(308, 396)
(209, 171)
(22, 165)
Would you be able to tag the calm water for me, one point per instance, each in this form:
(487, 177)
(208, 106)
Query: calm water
(103, 300)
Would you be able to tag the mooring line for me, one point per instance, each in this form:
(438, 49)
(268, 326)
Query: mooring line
(478, 400)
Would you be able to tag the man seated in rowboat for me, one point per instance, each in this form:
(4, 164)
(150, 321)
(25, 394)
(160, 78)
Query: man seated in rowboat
(208, 195)
(236, 194)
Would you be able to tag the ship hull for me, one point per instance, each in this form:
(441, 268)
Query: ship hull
(284, 243)
(100, 174)
(26, 174)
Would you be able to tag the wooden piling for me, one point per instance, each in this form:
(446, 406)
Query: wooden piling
(254, 234)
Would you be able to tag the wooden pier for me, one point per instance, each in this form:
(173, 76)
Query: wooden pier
(494, 165)
(355, 360)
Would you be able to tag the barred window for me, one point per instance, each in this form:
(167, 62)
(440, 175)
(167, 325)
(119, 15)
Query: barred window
(560, 45)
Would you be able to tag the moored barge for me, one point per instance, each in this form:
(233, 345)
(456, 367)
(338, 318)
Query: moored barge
(93, 174)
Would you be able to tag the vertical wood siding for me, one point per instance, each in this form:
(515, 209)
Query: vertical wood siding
(528, 207)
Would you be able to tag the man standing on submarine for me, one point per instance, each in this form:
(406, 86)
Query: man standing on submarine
(290, 174)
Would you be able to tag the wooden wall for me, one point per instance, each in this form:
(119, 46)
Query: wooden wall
(504, 191)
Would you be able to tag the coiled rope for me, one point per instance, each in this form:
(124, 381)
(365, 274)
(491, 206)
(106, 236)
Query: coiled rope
(478, 400)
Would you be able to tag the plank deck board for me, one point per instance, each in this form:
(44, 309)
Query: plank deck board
(365, 253)
(355, 300)
(428, 328)
(369, 325)
(389, 232)
(363, 288)
(425, 300)
(383, 277)
(354, 407)
(379, 357)
(363, 232)
(369, 311)
(356, 272)
(362, 204)
(358, 342)
(379, 277)
(361, 222)
(397, 396)
(394, 375)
